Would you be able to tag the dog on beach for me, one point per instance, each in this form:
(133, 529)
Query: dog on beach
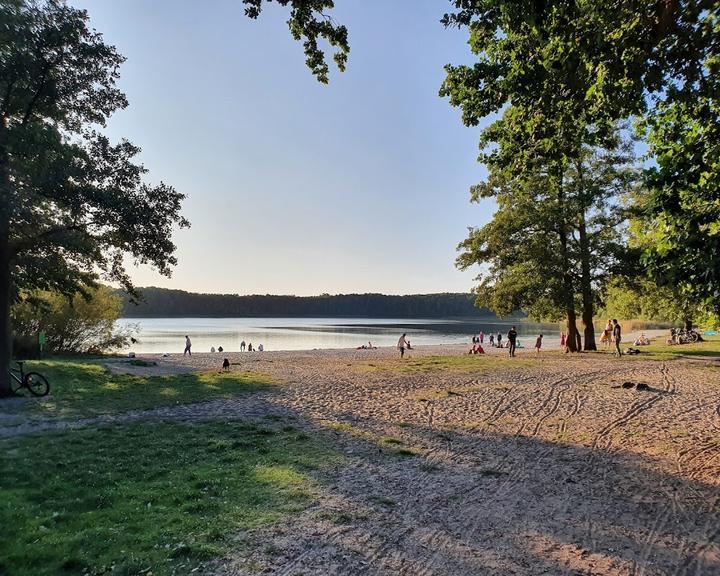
(226, 364)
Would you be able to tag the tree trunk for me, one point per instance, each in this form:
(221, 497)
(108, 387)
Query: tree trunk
(5, 264)
(586, 287)
(568, 288)
(5, 298)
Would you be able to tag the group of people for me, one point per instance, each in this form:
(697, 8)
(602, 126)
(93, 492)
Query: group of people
(260, 347)
(511, 342)
(243, 347)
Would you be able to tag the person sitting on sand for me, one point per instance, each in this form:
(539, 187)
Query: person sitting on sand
(371, 347)
(476, 349)
(642, 341)
(538, 344)
(212, 349)
(249, 348)
(402, 344)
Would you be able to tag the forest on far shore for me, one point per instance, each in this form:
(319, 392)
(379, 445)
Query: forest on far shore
(165, 303)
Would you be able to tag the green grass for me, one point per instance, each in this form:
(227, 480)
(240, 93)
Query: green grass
(465, 363)
(709, 348)
(161, 497)
(83, 388)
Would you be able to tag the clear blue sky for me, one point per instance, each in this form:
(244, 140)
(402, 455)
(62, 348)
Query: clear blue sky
(295, 187)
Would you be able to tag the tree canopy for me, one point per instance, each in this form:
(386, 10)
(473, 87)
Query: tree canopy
(74, 205)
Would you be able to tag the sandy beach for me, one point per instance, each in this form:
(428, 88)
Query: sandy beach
(457, 464)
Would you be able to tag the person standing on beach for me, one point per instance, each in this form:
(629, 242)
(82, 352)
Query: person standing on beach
(512, 339)
(499, 340)
(482, 337)
(242, 346)
(617, 337)
(188, 345)
(402, 343)
(492, 339)
(538, 345)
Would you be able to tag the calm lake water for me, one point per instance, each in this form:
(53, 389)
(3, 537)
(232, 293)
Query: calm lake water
(160, 335)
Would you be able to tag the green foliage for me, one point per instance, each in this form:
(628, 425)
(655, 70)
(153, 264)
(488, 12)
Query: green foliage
(86, 388)
(74, 204)
(641, 300)
(309, 23)
(72, 325)
(679, 227)
(561, 75)
(154, 496)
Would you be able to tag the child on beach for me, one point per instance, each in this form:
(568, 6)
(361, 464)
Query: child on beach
(562, 340)
(538, 345)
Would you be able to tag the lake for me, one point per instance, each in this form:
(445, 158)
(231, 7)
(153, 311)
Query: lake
(161, 335)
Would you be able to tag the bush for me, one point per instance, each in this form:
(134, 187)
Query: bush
(74, 325)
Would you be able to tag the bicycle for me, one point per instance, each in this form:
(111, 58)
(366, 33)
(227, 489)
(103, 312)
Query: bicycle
(35, 383)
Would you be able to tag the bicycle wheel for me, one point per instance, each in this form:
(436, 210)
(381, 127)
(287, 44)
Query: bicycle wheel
(694, 337)
(37, 384)
(16, 386)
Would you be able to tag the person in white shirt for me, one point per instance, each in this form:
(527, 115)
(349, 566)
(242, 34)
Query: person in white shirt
(260, 348)
(402, 344)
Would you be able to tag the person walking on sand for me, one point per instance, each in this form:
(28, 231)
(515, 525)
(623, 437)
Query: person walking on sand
(617, 337)
(188, 345)
(402, 344)
(512, 340)
(538, 345)
(492, 340)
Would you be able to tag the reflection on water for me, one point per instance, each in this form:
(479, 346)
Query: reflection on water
(160, 335)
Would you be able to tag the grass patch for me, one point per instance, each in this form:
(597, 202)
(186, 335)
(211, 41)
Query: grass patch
(659, 349)
(460, 364)
(382, 501)
(390, 440)
(161, 497)
(87, 388)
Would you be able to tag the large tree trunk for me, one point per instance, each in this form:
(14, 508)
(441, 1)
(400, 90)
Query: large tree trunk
(586, 287)
(5, 263)
(5, 298)
(571, 341)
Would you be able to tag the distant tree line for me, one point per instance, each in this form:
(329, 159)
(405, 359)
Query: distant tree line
(161, 302)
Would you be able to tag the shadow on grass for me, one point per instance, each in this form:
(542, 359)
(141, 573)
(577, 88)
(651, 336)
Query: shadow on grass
(161, 497)
(85, 388)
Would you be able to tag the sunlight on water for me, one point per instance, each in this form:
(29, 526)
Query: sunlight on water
(160, 335)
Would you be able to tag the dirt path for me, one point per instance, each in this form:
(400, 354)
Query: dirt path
(545, 468)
